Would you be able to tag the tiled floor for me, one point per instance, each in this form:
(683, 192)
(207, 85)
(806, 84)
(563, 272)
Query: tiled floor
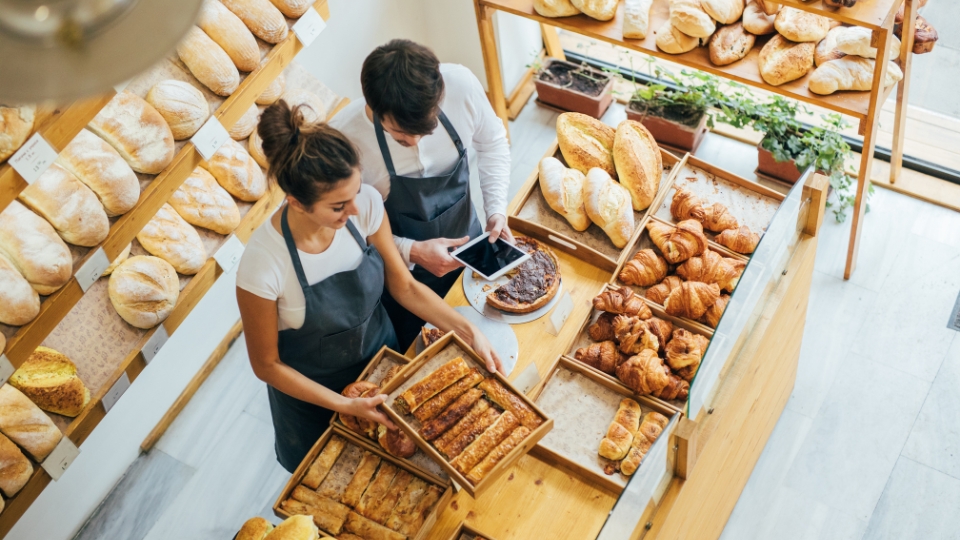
(867, 447)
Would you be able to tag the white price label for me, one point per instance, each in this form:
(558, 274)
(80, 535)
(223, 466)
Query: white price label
(309, 27)
(560, 313)
(33, 158)
(90, 272)
(62, 456)
(210, 138)
(527, 379)
(229, 253)
(155, 343)
(117, 390)
(6, 368)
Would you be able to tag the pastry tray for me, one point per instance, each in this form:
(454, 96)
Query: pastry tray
(530, 214)
(466, 532)
(442, 351)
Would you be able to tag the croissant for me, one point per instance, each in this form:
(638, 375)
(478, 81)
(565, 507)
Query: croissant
(712, 317)
(646, 268)
(676, 388)
(678, 243)
(741, 240)
(602, 330)
(691, 299)
(659, 293)
(686, 205)
(711, 268)
(717, 218)
(660, 328)
(602, 356)
(622, 300)
(633, 335)
(644, 373)
(684, 353)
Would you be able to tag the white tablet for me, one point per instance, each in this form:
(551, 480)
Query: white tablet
(490, 260)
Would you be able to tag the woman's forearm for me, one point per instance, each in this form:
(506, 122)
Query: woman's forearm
(294, 384)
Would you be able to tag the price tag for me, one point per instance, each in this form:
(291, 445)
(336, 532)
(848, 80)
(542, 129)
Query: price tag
(309, 27)
(33, 158)
(62, 456)
(560, 313)
(155, 343)
(116, 391)
(229, 253)
(6, 369)
(210, 138)
(527, 379)
(90, 272)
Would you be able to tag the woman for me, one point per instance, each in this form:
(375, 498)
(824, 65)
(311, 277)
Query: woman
(310, 282)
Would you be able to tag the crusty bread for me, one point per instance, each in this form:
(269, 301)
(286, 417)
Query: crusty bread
(237, 172)
(15, 468)
(144, 290)
(101, 168)
(19, 303)
(756, 21)
(292, 8)
(315, 110)
(563, 190)
(117, 261)
(768, 7)
(689, 17)
(70, 206)
(208, 62)
(723, 11)
(261, 17)
(228, 31)
(673, 41)
(639, 163)
(856, 40)
(255, 148)
(801, 26)
(202, 202)
(636, 18)
(586, 142)
(50, 380)
(827, 48)
(25, 424)
(850, 73)
(555, 8)
(274, 91)
(601, 10)
(255, 528)
(182, 105)
(299, 527)
(34, 248)
(137, 131)
(171, 238)
(16, 124)
(609, 206)
(782, 61)
(730, 44)
(246, 124)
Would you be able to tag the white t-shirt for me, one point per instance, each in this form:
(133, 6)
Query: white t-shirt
(266, 269)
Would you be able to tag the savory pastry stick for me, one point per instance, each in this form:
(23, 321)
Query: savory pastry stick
(457, 410)
(376, 490)
(369, 530)
(361, 479)
(454, 446)
(440, 402)
(324, 462)
(431, 385)
(385, 505)
(330, 518)
(411, 523)
(406, 506)
(339, 476)
(479, 448)
(509, 401)
(497, 454)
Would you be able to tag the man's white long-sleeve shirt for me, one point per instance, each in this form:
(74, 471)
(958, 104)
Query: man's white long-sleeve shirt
(480, 130)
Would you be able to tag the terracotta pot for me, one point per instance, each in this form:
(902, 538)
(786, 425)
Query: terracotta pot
(670, 133)
(783, 170)
(568, 99)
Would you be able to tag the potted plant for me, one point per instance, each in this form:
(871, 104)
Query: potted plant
(572, 87)
(676, 116)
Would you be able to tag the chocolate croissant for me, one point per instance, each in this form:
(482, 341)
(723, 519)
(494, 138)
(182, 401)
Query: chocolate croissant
(741, 240)
(686, 205)
(622, 300)
(644, 373)
(659, 292)
(676, 388)
(633, 335)
(717, 218)
(711, 268)
(602, 330)
(684, 353)
(712, 317)
(646, 268)
(660, 328)
(602, 356)
(692, 299)
(678, 243)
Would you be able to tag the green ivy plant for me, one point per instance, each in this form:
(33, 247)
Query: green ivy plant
(695, 94)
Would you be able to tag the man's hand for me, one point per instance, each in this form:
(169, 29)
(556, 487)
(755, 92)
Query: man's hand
(434, 255)
(497, 226)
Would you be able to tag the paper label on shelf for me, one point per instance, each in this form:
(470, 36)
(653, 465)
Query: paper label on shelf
(33, 158)
(60, 458)
(155, 343)
(90, 272)
(229, 253)
(6, 368)
(210, 137)
(116, 391)
(559, 314)
(527, 379)
(309, 26)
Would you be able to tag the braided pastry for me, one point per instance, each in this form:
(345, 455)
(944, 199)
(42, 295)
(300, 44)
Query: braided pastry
(684, 352)
(717, 218)
(741, 240)
(712, 317)
(644, 373)
(646, 268)
(711, 268)
(686, 205)
(691, 299)
(634, 335)
(678, 243)
(602, 330)
(622, 300)
(659, 293)
(602, 356)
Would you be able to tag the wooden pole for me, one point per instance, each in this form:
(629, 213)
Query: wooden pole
(491, 63)
(903, 89)
(551, 42)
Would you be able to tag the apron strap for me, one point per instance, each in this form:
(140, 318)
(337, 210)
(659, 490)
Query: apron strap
(356, 234)
(385, 151)
(452, 132)
(292, 248)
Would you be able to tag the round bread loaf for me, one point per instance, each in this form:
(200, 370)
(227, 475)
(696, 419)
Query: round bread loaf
(730, 44)
(182, 105)
(801, 26)
(237, 172)
(274, 91)
(673, 41)
(118, 261)
(34, 248)
(255, 145)
(144, 290)
(689, 17)
(171, 238)
(202, 202)
(315, 110)
(782, 60)
(101, 168)
(586, 142)
(246, 124)
(255, 528)
(228, 31)
(208, 62)
(50, 380)
(19, 303)
(137, 131)
(639, 163)
(16, 124)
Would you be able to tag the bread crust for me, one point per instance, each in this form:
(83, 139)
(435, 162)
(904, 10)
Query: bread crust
(782, 61)
(586, 142)
(730, 44)
(639, 163)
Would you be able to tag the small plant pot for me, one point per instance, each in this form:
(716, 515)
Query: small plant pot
(571, 99)
(786, 171)
(670, 133)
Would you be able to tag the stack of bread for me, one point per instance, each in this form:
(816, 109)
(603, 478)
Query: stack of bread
(597, 154)
(629, 438)
(845, 60)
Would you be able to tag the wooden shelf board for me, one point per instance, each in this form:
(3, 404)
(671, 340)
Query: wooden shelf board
(868, 13)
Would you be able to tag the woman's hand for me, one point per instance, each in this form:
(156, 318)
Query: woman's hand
(366, 408)
(481, 345)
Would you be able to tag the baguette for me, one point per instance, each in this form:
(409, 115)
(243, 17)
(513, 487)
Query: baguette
(321, 466)
(182, 105)
(19, 303)
(431, 385)
(479, 448)
(208, 62)
(237, 172)
(609, 206)
(445, 420)
(103, 170)
(381, 511)
(328, 522)
(377, 489)
(672, 41)
(16, 124)
(636, 18)
(370, 530)
(562, 188)
(509, 401)
(497, 454)
(361, 479)
(292, 8)
(639, 163)
(440, 402)
(414, 506)
(261, 17)
(136, 131)
(25, 424)
(144, 291)
(228, 31)
(34, 248)
(200, 201)
(15, 468)
(172, 239)
(50, 380)
(586, 142)
(245, 125)
(479, 410)
(70, 206)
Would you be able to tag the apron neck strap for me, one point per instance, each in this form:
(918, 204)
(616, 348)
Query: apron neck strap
(452, 132)
(292, 246)
(356, 234)
(385, 151)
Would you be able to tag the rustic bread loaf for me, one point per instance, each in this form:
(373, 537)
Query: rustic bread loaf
(855, 40)
(50, 380)
(144, 290)
(101, 168)
(261, 17)
(827, 48)
(292, 8)
(315, 110)
(801, 26)
(70, 206)
(174, 240)
(723, 11)
(768, 7)
(19, 303)
(137, 131)
(182, 105)
(245, 125)
(255, 147)
(228, 31)
(208, 62)
(255, 528)
(16, 124)
(689, 17)
(636, 18)
(563, 190)
(756, 21)
(730, 44)
(274, 91)
(555, 8)
(639, 163)
(601, 10)
(609, 206)
(117, 261)
(586, 142)
(782, 61)
(237, 172)
(15, 468)
(673, 41)
(202, 202)
(850, 73)
(34, 248)
(25, 424)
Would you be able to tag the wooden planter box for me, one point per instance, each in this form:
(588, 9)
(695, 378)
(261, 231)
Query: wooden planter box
(785, 171)
(466, 532)
(669, 133)
(571, 100)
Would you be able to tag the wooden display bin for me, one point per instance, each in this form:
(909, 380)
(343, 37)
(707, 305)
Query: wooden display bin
(466, 532)
(443, 350)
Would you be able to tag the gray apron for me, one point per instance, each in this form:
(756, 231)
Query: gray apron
(343, 327)
(424, 209)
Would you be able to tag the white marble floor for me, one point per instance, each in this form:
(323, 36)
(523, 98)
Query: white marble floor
(866, 448)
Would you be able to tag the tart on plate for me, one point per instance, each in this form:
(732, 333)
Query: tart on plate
(533, 284)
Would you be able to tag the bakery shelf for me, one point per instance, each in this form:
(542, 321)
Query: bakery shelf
(868, 13)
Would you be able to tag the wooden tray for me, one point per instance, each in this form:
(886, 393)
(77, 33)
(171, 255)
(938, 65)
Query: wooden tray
(583, 402)
(358, 443)
(443, 350)
(466, 532)
(531, 214)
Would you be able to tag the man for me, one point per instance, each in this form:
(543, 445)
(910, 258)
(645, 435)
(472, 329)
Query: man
(414, 129)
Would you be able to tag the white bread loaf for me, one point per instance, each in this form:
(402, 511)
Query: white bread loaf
(246, 124)
(855, 40)
(636, 18)
(314, 111)
(71, 207)
(673, 41)
(827, 48)
(297, 527)
(136, 131)
(181, 105)
(228, 31)
(144, 291)
(723, 11)
(609, 206)
(50, 380)
(586, 142)
(782, 60)
(16, 124)
(768, 7)
(601, 10)
(555, 8)
(208, 62)
(202, 202)
(255, 147)
(255, 528)
(730, 44)
(174, 240)
(34, 248)
(563, 190)
(261, 17)
(101, 168)
(15, 468)
(688, 17)
(756, 21)
(118, 261)
(274, 91)
(25, 424)
(237, 172)
(292, 8)
(639, 163)
(19, 303)
(801, 26)
(850, 73)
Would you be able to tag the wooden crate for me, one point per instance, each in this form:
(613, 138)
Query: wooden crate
(352, 439)
(470, 532)
(530, 214)
(447, 348)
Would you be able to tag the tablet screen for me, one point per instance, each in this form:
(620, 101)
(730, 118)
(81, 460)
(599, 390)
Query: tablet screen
(489, 259)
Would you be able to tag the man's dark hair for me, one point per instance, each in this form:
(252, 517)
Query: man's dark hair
(402, 79)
